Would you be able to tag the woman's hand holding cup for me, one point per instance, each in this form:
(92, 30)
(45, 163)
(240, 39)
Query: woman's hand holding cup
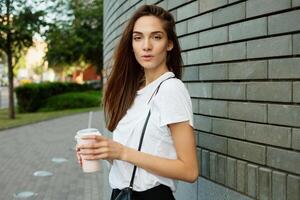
(101, 148)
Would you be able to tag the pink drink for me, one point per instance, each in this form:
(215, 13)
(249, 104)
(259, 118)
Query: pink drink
(88, 166)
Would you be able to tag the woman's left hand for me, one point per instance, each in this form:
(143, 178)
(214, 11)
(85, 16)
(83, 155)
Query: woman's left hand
(101, 147)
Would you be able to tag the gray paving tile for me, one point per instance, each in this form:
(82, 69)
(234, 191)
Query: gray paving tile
(30, 148)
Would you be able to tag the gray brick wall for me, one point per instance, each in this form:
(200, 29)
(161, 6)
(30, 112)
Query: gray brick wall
(242, 70)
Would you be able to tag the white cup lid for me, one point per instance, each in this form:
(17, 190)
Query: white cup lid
(88, 131)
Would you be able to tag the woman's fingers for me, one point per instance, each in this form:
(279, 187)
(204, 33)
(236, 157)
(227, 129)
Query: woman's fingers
(102, 148)
(94, 137)
(93, 151)
(93, 145)
(79, 159)
(103, 156)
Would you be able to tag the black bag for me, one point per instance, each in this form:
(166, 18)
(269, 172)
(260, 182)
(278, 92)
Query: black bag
(127, 193)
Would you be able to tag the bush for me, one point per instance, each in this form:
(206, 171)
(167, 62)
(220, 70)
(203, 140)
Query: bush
(32, 96)
(72, 100)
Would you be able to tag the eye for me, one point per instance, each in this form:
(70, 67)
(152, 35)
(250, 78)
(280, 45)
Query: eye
(157, 37)
(136, 38)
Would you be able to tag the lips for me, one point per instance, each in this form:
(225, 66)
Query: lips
(147, 57)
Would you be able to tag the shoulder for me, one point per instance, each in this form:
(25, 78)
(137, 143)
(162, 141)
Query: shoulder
(172, 85)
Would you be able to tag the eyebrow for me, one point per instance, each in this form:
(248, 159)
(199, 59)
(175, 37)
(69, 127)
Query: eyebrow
(154, 32)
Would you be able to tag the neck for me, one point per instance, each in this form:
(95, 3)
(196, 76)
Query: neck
(153, 74)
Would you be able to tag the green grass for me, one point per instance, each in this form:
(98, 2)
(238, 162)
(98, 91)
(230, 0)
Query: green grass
(28, 118)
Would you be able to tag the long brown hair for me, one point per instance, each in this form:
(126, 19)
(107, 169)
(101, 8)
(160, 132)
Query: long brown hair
(127, 74)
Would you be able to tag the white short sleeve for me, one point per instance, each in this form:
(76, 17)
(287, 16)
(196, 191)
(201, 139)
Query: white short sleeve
(174, 103)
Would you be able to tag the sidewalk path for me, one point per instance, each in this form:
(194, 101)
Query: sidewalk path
(31, 148)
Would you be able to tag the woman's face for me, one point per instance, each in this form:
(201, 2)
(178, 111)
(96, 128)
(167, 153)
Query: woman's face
(150, 43)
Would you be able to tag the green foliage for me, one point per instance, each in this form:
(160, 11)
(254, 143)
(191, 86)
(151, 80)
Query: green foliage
(18, 24)
(32, 96)
(72, 100)
(78, 40)
(16, 31)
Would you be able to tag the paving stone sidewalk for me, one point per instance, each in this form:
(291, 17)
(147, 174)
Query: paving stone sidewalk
(30, 148)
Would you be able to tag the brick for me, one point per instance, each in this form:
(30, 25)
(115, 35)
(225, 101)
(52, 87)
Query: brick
(231, 172)
(264, 182)
(151, 1)
(213, 72)
(213, 142)
(248, 29)
(252, 180)
(296, 139)
(248, 111)
(212, 107)
(269, 91)
(196, 137)
(206, 5)
(247, 151)
(248, 70)
(296, 44)
(203, 123)
(199, 56)
(214, 36)
(205, 163)
(220, 178)
(241, 176)
(188, 42)
(284, 68)
(296, 92)
(284, 114)
(212, 165)
(175, 3)
(174, 13)
(296, 3)
(267, 134)
(163, 4)
(184, 58)
(283, 159)
(200, 23)
(229, 90)
(258, 7)
(190, 73)
(229, 128)
(274, 46)
(233, 51)
(284, 22)
(200, 90)
(229, 14)
(181, 28)
(278, 185)
(199, 157)
(195, 105)
(293, 187)
(187, 11)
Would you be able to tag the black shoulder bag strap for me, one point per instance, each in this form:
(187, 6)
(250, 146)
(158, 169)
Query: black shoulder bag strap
(144, 129)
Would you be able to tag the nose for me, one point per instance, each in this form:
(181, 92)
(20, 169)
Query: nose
(147, 45)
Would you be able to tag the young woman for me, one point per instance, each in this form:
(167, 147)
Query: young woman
(146, 76)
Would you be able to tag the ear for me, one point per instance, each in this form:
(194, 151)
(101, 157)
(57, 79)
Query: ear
(170, 45)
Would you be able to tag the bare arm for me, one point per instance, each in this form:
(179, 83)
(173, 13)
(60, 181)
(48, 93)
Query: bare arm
(185, 167)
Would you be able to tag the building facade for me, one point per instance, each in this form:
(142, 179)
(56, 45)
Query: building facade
(242, 70)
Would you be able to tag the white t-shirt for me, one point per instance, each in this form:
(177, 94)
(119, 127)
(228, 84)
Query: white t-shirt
(171, 104)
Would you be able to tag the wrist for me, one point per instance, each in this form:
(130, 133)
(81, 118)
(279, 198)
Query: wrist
(124, 153)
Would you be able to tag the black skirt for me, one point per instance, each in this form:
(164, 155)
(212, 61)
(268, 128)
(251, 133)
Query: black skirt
(160, 192)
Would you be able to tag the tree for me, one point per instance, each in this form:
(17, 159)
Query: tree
(79, 39)
(88, 23)
(17, 26)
